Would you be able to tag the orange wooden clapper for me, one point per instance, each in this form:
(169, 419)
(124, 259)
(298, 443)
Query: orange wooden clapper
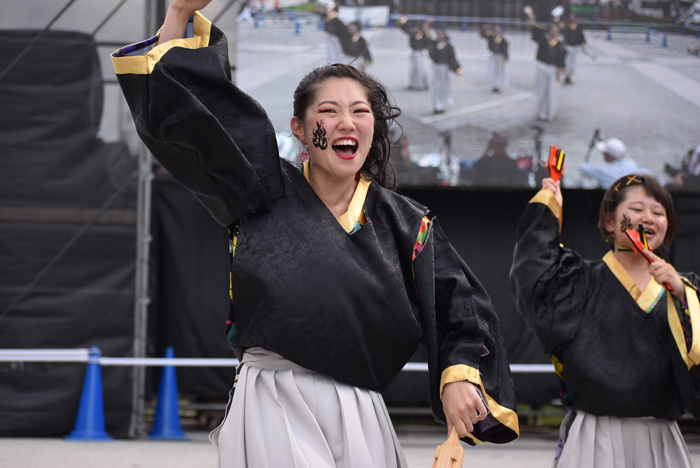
(555, 164)
(639, 244)
(450, 454)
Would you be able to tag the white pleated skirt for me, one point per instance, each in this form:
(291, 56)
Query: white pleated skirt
(283, 415)
(610, 442)
(442, 93)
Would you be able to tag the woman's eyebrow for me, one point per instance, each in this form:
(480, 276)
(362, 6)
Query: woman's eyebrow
(334, 103)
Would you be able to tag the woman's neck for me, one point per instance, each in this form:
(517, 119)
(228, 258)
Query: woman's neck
(335, 193)
(635, 266)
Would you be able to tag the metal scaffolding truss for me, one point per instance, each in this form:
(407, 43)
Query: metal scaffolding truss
(154, 16)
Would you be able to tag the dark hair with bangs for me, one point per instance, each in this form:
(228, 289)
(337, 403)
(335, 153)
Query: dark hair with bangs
(616, 195)
(377, 166)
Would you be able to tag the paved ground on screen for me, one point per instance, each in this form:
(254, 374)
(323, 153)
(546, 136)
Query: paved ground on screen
(532, 450)
(638, 91)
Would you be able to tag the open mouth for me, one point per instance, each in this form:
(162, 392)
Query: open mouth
(346, 148)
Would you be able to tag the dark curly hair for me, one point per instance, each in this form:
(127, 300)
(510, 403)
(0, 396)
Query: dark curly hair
(616, 195)
(377, 166)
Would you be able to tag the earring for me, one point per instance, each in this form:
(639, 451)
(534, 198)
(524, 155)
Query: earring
(304, 154)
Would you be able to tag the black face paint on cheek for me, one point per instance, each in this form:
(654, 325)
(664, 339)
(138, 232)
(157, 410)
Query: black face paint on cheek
(626, 223)
(319, 140)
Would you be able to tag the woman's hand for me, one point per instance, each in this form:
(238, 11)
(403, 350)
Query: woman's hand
(462, 406)
(190, 5)
(555, 188)
(664, 273)
(176, 18)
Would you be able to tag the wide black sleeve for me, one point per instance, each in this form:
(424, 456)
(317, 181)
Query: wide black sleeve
(463, 337)
(548, 281)
(538, 35)
(684, 322)
(454, 64)
(560, 56)
(213, 138)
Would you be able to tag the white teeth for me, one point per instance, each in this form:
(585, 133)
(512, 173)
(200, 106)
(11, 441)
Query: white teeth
(344, 142)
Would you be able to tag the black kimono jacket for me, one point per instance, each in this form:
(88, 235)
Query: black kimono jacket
(443, 53)
(417, 39)
(496, 45)
(620, 351)
(546, 53)
(344, 305)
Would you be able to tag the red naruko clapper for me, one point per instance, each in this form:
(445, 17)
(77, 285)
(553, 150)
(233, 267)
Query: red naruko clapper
(555, 164)
(639, 243)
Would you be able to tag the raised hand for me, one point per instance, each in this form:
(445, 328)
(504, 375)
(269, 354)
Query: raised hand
(176, 18)
(665, 273)
(555, 188)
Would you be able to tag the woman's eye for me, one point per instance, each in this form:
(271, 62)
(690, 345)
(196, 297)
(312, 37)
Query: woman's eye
(637, 210)
(326, 110)
(363, 111)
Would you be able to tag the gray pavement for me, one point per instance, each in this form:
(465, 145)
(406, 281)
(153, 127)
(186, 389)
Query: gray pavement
(534, 449)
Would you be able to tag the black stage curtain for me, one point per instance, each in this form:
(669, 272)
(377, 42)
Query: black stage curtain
(55, 177)
(191, 288)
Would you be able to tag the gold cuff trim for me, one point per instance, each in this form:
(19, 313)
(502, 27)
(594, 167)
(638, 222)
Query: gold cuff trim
(546, 197)
(504, 415)
(458, 373)
(144, 64)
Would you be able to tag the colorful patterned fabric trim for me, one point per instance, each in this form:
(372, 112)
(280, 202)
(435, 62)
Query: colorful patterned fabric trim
(138, 48)
(653, 304)
(422, 235)
(356, 228)
(141, 48)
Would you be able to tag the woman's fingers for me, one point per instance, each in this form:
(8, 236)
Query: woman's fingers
(664, 273)
(463, 406)
(463, 428)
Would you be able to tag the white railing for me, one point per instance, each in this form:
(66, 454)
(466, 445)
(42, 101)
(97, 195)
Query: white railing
(83, 355)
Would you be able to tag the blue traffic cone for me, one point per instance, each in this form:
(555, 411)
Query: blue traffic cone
(297, 27)
(167, 423)
(90, 422)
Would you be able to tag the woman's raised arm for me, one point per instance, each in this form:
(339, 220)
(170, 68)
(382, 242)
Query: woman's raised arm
(212, 137)
(179, 12)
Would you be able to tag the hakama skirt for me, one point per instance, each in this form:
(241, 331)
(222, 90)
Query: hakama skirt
(283, 415)
(610, 442)
(442, 94)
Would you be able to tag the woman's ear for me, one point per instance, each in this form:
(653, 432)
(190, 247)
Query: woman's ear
(297, 129)
(609, 223)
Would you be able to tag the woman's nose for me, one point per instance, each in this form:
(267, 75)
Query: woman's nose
(346, 122)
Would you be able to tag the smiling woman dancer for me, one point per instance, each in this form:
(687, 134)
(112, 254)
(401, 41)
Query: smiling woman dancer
(621, 343)
(335, 279)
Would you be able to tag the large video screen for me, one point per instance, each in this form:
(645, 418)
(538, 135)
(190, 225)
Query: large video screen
(629, 103)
